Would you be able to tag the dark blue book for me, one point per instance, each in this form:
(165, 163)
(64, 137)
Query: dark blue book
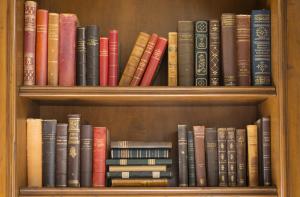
(139, 174)
(191, 159)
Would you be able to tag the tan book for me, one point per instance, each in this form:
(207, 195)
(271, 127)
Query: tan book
(160, 168)
(172, 59)
(252, 155)
(134, 59)
(34, 152)
(139, 182)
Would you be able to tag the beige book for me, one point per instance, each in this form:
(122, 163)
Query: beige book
(139, 182)
(172, 59)
(161, 168)
(252, 155)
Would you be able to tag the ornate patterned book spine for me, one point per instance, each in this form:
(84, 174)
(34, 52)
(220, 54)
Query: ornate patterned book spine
(29, 42)
(103, 60)
(113, 55)
(81, 56)
(261, 47)
(222, 150)
(214, 53)
(92, 55)
(139, 174)
(136, 162)
(137, 168)
(140, 144)
(186, 53)
(241, 157)
(134, 59)
(139, 182)
(201, 53)
(53, 41)
(243, 49)
(252, 155)
(231, 155)
(182, 156)
(73, 150)
(211, 142)
(191, 159)
(48, 134)
(172, 59)
(229, 49)
(139, 153)
(86, 156)
(266, 151)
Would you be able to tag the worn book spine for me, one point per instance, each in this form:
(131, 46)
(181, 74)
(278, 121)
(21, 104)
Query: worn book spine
(266, 151)
(243, 49)
(201, 53)
(211, 143)
(53, 41)
(139, 182)
(252, 155)
(172, 59)
(92, 55)
(139, 153)
(241, 148)
(34, 152)
(67, 43)
(132, 162)
(29, 42)
(86, 156)
(113, 56)
(222, 157)
(141, 68)
(103, 61)
(161, 168)
(49, 134)
(182, 156)
(134, 59)
(199, 140)
(81, 56)
(140, 144)
(258, 123)
(186, 53)
(191, 159)
(74, 150)
(139, 174)
(261, 47)
(214, 53)
(229, 49)
(231, 156)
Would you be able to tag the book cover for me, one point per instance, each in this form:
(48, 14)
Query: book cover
(140, 153)
(135, 162)
(139, 174)
(113, 58)
(266, 151)
(81, 56)
(92, 55)
(241, 154)
(182, 156)
(86, 156)
(231, 156)
(161, 168)
(139, 182)
(252, 155)
(222, 157)
(140, 144)
(211, 151)
(214, 53)
(172, 59)
(103, 60)
(191, 159)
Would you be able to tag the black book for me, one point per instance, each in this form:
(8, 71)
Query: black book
(92, 56)
(182, 156)
(81, 56)
(191, 159)
(144, 174)
(86, 156)
(231, 155)
(211, 151)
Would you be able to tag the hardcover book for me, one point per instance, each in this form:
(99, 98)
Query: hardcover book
(136, 162)
(241, 154)
(139, 182)
(172, 59)
(81, 56)
(214, 53)
(222, 157)
(231, 155)
(139, 153)
(266, 151)
(92, 55)
(191, 159)
(86, 156)
(104, 61)
(211, 144)
(162, 168)
(252, 155)
(182, 156)
(139, 174)
(140, 144)
(113, 58)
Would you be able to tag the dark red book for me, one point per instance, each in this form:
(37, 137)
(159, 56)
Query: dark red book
(113, 55)
(99, 156)
(67, 42)
(155, 60)
(103, 59)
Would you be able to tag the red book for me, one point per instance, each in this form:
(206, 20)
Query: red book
(99, 157)
(155, 59)
(144, 61)
(103, 59)
(67, 39)
(113, 55)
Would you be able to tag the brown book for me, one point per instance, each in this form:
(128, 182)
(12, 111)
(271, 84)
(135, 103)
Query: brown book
(140, 144)
(53, 36)
(231, 156)
(172, 59)
(214, 53)
(134, 59)
(160, 168)
(241, 176)
(182, 156)
(222, 156)
(139, 182)
(266, 151)
(243, 49)
(252, 155)
(211, 150)
(229, 49)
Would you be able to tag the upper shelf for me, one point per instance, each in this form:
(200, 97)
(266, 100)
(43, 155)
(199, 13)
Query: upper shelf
(146, 95)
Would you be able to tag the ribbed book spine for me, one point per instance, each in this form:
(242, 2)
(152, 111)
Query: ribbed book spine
(150, 162)
(92, 55)
(139, 182)
(214, 53)
(103, 60)
(113, 56)
(241, 157)
(231, 155)
(143, 174)
(139, 153)
(140, 145)
(86, 156)
(211, 143)
(81, 56)
(182, 156)
(252, 155)
(222, 157)
(172, 59)
(266, 151)
(191, 159)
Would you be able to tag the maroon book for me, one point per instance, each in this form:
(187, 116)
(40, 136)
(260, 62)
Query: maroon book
(103, 59)
(113, 55)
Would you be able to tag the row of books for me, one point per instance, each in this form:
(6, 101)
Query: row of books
(225, 156)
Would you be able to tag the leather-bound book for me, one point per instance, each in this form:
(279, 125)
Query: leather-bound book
(86, 156)
(29, 42)
(211, 143)
(61, 155)
(214, 53)
(34, 152)
(243, 49)
(229, 49)
(67, 42)
(81, 56)
(142, 153)
(261, 47)
(99, 156)
(156, 58)
(92, 55)
(201, 53)
(252, 155)
(103, 61)
(199, 140)
(139, 182)
(191, 159)
(186, 53)
(231, 156)
(161, 168)
(266, 151)
(182, 156)
(259, 152)
(134, 59)
(140, 145)
(49, 134)
(222, 155)
(241, 153)
(139, 174)
(172, 59)
(136, 162)
(141, 68)
(53, 41)
(74, 150)
(113, 55)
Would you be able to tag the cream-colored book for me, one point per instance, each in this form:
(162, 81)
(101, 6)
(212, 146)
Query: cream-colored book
(161, 168)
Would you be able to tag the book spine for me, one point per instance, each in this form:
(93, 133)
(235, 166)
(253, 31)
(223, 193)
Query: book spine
(186, 53)
(229, 49)
(53, 41)
(231, 155)
(191, 159)
(241, 157)
(134, 59)
(137, 168)
(172, 59)
(34, 152)
(222, 150)
(260, 152)
(74, 150)
(139, 153)
(130, 162)
(86, 156)
(143, 174)
(261, 47)
(201, 53)
(252, 155)
(67, 38)
(139, 182)
(113, 56)
(243, 49)
(48, 151)
(103, 60)
(214, 53)
(81, 56)
(140, 144)
(99, 156)
(266, 151)
(29, 42)
(211, 143)
(182, 156)
(92, 55)
(141, 68)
